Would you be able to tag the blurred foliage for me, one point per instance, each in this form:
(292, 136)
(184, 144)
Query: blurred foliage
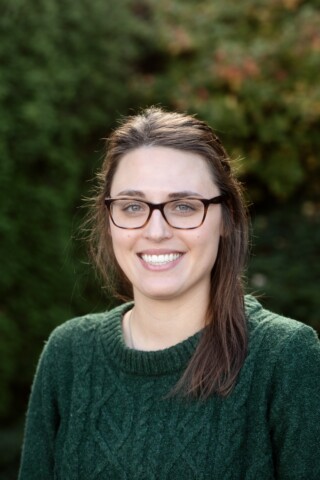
(250, 69)
(64, 67)
(284, 270)
(70, 69)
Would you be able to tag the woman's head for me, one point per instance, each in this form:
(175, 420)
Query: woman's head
(154, 127)
(222, 349)
(165, 223)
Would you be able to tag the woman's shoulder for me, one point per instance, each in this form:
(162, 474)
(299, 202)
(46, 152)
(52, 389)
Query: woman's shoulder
(269, 331)
(82, 329)
(260, 319)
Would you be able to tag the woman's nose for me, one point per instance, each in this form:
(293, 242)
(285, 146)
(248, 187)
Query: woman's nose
(157, 228)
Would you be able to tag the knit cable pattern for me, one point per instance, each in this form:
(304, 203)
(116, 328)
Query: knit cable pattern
(113, 418)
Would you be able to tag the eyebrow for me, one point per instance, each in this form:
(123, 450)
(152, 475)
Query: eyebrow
(139, 193)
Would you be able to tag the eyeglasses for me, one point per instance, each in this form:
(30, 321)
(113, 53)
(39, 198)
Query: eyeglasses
(183, 213)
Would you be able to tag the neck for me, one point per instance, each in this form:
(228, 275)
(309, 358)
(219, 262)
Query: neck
(159, 324)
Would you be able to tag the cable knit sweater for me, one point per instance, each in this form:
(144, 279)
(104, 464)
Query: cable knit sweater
(99, 410)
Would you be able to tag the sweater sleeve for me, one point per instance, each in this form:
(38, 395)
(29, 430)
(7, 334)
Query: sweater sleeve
(295, 407)
(42, 422)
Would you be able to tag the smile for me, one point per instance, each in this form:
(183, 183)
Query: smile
(160, 259)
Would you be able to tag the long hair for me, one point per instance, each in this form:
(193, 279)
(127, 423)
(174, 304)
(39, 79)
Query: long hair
(221, 351)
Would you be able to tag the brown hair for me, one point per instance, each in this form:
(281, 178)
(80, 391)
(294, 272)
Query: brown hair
(221, 351)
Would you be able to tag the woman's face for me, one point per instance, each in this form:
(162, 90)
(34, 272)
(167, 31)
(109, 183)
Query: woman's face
(162, 262)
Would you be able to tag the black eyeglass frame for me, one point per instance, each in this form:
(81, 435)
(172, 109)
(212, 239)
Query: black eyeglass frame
(160, 206)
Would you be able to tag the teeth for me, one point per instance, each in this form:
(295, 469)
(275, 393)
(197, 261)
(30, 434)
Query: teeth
(160, 259)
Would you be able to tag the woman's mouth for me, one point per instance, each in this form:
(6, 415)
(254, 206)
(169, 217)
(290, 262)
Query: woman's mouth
(159, 260)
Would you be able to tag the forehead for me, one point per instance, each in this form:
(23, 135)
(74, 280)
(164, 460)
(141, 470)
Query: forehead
(163, 169)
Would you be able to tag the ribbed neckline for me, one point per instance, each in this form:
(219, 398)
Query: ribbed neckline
(160, 362)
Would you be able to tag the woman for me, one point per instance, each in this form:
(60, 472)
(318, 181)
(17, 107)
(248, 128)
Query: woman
(191, 380)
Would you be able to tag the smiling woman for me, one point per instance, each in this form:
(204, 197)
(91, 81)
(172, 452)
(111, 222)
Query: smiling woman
(191, 241)
(190, 378)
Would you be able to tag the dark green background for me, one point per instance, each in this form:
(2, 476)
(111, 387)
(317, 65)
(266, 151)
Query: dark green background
(69, 70)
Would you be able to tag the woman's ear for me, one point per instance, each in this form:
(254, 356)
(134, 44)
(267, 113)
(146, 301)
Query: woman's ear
(222, 229)
(226, 223)
(108, 223)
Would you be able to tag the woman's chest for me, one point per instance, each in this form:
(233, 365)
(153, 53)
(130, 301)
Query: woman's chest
(133, 430)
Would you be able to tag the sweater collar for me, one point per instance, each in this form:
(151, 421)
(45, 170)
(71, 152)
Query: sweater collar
(160, 362)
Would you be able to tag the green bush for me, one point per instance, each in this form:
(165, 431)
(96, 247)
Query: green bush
(66, 67)
(284, 267)
(250, 68)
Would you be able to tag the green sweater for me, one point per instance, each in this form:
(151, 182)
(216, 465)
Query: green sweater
(99, 410)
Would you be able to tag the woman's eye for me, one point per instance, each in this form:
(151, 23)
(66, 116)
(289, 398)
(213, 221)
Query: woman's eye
(133, 208)
(184, 207)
